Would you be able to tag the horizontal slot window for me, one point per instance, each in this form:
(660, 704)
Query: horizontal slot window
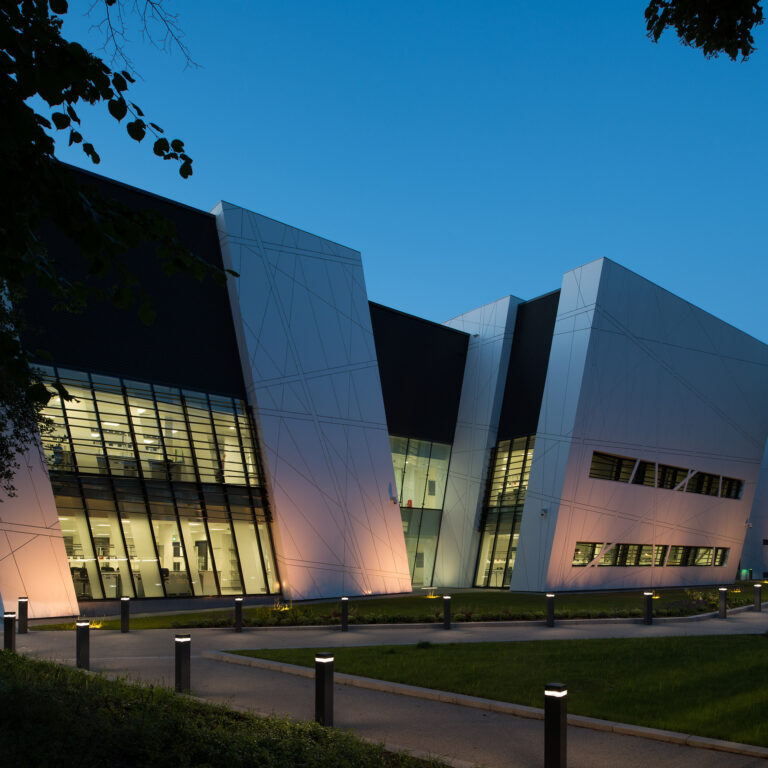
(606, 466)
(623, 469)
(638, 555)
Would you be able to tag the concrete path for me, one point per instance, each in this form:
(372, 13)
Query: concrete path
(463, 735)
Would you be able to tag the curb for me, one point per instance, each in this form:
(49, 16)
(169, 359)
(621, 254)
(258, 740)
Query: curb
(502, 707)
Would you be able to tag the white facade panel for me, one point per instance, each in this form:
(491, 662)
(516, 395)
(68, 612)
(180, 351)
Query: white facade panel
(755, 554)
(490, 328)
(33, 560)
(306, 344)
(652, 377)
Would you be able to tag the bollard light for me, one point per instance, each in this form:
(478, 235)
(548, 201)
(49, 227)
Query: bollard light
(125, 614)
(555, 725)
(183, 646)
(446, 611)
(238, 614)
(758, 597)
(23, 615)
(324, 689)
(9, 631)
(648, 612)
(83, 643)
(723, 605)
(345, 614)
(550, 609)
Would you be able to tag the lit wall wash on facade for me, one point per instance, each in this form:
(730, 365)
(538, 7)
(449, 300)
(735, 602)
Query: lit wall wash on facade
(301, 440)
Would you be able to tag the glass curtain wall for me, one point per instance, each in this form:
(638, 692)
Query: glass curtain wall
(421, 473)
(503, 512)
(158, 490)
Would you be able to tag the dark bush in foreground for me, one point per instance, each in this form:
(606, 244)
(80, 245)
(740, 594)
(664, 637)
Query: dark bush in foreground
(56, 716)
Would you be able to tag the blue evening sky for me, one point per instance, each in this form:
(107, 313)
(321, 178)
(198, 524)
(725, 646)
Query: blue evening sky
(469, 150)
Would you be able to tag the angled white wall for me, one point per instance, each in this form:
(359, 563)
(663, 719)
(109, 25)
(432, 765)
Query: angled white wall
(33, 560)
(306, 345)
(490, 328)
(639, 372)
(755, 554)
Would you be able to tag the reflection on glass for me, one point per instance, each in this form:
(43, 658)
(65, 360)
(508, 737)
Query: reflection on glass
(170, 484)
(139, 540)
(487, 541)
(108, 543)
(173, 566)
(509, 471)
(421, 473)
(222, 542)
(77, 540)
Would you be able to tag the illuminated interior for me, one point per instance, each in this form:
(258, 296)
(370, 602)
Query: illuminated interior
(158, 490)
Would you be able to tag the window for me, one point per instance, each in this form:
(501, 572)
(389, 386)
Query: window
(670, 477)
(638, 555)
(608, 467)
(157, 490)
(731, 488)
(704, 483)
(721, 556)
(645, 474)
(622, 469)
(585, 552)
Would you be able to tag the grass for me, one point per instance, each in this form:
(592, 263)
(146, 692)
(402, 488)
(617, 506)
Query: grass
(708, 686)
(55, 716)
(465, 606)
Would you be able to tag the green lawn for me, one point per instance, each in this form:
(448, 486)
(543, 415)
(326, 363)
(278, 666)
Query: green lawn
(53, 716)
(709, 686)
(466, 606)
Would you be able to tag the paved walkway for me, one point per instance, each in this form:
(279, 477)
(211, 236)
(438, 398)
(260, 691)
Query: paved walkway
(463, 735)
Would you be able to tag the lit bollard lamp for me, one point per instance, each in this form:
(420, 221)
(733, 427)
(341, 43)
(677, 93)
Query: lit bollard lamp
(324, 689)
(83, 643)
(550, 609)
(555, 724)
(125, 614)
(23, 615)
(446, 611)
(345, 614)
(723, 603)
(758, 598)
(238, 614)
(183, 646)
(9, 631)
(648, 611)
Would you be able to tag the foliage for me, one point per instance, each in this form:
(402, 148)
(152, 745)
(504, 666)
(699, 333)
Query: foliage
(714, 26)
(44, 81)
(709, 686)
(467, 606)
(93, 722)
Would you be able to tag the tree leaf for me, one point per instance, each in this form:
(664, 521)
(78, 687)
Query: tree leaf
(122, 297)
(74, 137)
(91, 152)
(119, 82)
(59, 7)
(147, 315)
(117, 108)
(60, 120)
(177, 145)
(157, 127)
(136, 129)
(71, 112)
(127, 75)
(137, 109)
(185, 170)
(160, 147)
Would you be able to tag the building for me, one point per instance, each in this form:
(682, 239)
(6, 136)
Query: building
(282, 434)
